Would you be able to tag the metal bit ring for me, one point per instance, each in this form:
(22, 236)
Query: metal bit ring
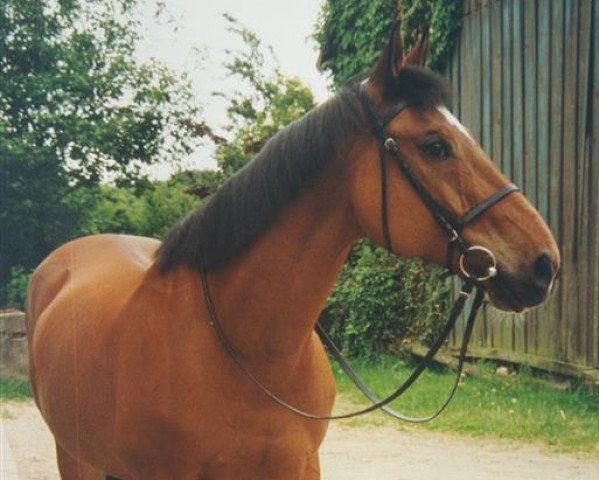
(491, 269)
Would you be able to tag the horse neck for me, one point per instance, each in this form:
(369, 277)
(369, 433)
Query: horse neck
(269, 298)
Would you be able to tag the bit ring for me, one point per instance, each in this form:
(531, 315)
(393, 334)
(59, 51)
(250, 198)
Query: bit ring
(491, 269)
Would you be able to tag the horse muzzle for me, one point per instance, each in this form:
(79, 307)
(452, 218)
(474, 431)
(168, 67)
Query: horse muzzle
(527, 289)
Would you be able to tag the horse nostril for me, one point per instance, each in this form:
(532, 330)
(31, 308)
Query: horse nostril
(543, 271)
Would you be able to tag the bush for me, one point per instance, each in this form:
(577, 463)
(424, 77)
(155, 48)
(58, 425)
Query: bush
(17, 287)
(148, 213)
(380, 300)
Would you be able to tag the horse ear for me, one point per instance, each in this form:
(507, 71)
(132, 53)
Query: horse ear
(391, 59)
(419, 52)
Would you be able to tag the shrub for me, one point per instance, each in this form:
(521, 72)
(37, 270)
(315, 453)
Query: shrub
(17, 287)
(148, 213)
(380, 300)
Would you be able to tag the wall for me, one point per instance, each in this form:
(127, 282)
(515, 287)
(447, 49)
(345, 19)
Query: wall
(526, 78)
(14, 361)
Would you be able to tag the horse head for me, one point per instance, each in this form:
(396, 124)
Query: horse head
(422, 186)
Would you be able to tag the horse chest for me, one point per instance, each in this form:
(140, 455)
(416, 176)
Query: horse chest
(216, 422)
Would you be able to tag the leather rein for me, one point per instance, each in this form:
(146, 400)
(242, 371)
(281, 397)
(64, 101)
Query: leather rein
(452, 228)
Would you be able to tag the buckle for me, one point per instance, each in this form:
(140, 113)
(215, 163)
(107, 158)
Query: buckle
(478, 263)
(391, 145)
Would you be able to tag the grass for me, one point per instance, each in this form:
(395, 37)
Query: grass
(14, 390)
(519, 408)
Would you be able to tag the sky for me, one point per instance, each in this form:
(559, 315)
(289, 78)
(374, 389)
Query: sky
(191, 35)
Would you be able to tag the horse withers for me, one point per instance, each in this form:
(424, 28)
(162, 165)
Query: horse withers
(128, 371)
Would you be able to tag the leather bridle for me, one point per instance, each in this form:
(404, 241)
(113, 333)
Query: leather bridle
(452, 227)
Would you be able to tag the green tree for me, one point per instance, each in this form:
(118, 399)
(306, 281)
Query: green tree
(266, 102)
(379, 300)
(263, 103)
(351, 34)
(149, 212)
(77, 107)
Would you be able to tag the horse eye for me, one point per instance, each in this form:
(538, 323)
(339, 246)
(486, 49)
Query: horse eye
(437, 149)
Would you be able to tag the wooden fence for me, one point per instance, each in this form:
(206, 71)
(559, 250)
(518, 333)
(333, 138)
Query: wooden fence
(526, 81)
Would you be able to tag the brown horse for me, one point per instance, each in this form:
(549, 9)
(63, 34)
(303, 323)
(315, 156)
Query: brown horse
(125, 365)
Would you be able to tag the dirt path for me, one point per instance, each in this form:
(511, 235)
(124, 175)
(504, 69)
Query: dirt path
(354, 453)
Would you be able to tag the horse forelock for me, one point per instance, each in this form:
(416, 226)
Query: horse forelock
(420, 87)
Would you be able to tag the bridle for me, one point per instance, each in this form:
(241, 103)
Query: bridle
(452, 227)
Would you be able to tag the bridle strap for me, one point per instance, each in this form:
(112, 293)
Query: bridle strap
(473, 214)
(389, 145)
(378, 129)
(424, 363)
(376, 402)
(483, 206)
(384, 209)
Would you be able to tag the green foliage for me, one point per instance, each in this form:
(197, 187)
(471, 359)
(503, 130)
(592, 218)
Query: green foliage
(379, 300)
(76, 107)
(17, 287)
(445, 20)
(149, 213)
(351, 34)
(267, 102)
(14, 390)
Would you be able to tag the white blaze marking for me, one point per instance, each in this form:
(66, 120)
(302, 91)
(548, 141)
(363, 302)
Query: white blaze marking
(452, 120)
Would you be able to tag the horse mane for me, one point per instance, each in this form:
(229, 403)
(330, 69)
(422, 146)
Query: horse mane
(249, 201)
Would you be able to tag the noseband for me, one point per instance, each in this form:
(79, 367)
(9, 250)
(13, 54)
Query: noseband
(469, 264)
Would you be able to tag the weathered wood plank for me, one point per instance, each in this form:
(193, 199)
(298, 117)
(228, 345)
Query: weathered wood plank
(593, 283)
(487, 81)
(556, 118)
(517, 96)
(507, 121)
(530, 101)
(582, 184)
(466, 73)
(555, 162)
(475, 74)
(496, 85)
(535, 361)
(569, 304)
(543, 102)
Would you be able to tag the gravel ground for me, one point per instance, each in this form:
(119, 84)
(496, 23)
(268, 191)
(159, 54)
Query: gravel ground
(354, 453)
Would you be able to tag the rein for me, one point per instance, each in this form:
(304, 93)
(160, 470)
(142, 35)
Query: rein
(472, 272)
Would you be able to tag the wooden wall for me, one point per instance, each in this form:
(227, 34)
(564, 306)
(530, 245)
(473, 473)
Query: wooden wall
(526, 80)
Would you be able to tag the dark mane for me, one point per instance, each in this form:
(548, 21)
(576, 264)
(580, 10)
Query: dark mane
(251, 199)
